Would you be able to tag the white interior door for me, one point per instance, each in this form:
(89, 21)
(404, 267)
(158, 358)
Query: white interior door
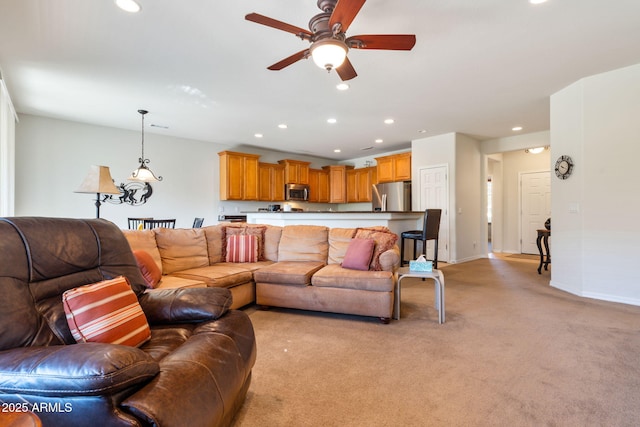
(434, 194)
(535, 196)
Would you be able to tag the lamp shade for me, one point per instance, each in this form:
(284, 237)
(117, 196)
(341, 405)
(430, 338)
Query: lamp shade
(143, 174)
(328, 53)
(98, 180)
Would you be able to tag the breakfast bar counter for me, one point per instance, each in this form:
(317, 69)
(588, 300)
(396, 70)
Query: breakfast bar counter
(395, 221)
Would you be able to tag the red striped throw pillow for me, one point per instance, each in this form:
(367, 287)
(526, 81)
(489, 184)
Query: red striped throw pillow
(242, 248)
(106, 312)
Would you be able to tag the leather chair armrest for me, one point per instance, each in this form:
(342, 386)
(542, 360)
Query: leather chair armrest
(182, 305)
(76, 369)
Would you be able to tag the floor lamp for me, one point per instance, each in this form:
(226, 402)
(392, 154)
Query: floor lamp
(98, 180)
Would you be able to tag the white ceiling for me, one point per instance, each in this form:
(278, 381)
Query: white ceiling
(479, 67)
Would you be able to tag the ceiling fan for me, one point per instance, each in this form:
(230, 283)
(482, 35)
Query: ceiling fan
(329, 43)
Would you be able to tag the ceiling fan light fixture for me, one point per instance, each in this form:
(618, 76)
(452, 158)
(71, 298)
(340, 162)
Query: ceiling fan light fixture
(328, 53)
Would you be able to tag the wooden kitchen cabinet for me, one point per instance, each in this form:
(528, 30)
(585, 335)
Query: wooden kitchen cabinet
(295, 171)
(337, 182)
(238, 176)
(359, 184)
(270, 182)
(396, 167)
(319, 186)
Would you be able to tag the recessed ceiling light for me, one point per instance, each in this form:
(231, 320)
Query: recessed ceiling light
(378, 141)
(258, 135)
(537, 1)
(282, 126)
(337, 150)
(389, 121)
(332, 121)
(342, 86)
(128, 5)
(516, 128)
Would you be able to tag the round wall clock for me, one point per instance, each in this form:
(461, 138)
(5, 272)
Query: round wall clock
(564, 167)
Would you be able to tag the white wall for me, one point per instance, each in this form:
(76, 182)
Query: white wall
(595, 229)
(53, 156)
(7, 151)
(462, 155)
(469, 218)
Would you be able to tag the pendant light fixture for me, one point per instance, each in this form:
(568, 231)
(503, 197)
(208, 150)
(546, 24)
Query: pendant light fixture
(143, 173)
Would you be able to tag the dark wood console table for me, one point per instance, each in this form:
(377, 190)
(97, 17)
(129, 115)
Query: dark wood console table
(545, 259)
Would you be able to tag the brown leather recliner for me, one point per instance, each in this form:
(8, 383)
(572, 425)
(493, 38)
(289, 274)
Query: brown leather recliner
(194, 371)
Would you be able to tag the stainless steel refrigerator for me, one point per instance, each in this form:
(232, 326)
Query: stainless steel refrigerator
(392, 196)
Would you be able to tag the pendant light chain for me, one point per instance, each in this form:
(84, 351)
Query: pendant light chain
(142, 159)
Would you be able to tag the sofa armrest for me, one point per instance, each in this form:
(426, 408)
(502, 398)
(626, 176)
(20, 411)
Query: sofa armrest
(390, 259)
(182, 305)
(76, 369)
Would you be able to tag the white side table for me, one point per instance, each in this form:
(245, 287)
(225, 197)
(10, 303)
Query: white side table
(438, 278)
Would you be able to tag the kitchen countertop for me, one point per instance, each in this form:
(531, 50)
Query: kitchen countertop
(331, 212)
(393, 220)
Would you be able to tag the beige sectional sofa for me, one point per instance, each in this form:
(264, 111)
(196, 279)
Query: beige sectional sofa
(298, 266)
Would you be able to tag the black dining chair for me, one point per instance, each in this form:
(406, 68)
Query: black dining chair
(159, 223)
(430, 231)
(137, 223)
(197, 222)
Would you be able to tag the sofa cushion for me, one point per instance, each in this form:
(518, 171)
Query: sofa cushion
(148, 267)
(288, 272)
(359, 253)
(304, 243)
(223, 275)
(242, 248)
(339, 240)
(271, 241)
(334, 276)
(144, 240)
(181, 248)
(172, 282)
(106, 312)
(215, 242)
(384, 238)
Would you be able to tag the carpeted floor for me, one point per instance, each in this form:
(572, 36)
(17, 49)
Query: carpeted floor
(513, 352)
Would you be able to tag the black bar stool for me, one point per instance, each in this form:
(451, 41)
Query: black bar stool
(430, 231)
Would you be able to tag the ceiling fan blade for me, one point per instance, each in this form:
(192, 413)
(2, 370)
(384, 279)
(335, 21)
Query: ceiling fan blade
(289, 60)
(279, 25)
(382, 41)
(346, 70)
(345, 12)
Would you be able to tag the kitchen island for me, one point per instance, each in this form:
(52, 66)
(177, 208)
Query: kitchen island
(395, 221)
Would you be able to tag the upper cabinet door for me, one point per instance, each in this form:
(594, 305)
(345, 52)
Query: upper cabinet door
(238, 176)
(396, 167)
(295, 171)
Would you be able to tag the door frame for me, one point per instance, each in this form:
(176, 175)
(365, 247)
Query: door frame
(444, 247)
(520, 204)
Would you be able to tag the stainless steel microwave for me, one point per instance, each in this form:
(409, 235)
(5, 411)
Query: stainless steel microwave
(297, 192)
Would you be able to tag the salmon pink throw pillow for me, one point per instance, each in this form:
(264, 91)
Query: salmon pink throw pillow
(359, 254)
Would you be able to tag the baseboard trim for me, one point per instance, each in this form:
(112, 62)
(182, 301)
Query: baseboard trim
(597, 295)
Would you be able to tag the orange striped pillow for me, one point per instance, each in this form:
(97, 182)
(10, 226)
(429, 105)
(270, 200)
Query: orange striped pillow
(106, 312)
(242, 248)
